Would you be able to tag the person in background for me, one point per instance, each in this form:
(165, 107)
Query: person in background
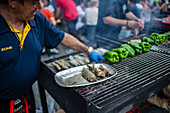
(162, 6)
(50, 17)
(46, 12)
(48, 6)
(113, 14)
(80, 25)
(133, 8)
(91, 22)
(159, 8)
(68, 9)
(23, 34)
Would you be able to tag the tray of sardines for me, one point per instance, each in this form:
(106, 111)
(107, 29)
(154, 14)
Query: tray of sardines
(85, 75)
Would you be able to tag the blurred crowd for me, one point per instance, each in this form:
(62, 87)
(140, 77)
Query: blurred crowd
(80, 17)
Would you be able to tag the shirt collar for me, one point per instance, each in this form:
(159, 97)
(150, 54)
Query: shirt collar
(5, 28)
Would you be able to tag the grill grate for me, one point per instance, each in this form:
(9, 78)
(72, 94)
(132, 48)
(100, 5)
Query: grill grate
(133, 74)
(165, 49)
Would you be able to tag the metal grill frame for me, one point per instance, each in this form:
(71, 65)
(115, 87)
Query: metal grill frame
(73, 102)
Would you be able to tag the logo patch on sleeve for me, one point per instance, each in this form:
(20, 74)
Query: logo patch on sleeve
(6, 48)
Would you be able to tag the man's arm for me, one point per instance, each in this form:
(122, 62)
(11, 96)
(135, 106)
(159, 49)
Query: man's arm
(58, 12)
(73, 43)
(131, 16)
(53, 21)
(109, 20)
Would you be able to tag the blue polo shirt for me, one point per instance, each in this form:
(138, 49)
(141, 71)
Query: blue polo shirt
(115, 8)
(19, 69)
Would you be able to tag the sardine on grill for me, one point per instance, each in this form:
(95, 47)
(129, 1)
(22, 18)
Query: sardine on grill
(63, 65)
(65, 62)
(98, 72)
(56, 66)
(72, 59)
(88, 75)
(82, 59)
(107, 73)
(79, 59)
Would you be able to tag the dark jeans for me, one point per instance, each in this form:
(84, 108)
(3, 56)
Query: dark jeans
(91, 31)
(71, 27)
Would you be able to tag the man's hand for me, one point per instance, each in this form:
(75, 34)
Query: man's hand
(142, 23)
(95, 56)
(133, 24)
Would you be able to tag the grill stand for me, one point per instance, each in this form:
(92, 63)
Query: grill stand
(72, 102)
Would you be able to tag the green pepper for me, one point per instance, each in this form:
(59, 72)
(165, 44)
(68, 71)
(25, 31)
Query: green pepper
(123, 53)
(146, 39)
(135, 45)
(161, 38)
(129, 49)
(155, 37)
(111, 56)
(145, 46)
(164, 37)
(168, 35)
(138, 51)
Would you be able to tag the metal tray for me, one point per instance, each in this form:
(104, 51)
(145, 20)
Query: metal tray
(72, 77)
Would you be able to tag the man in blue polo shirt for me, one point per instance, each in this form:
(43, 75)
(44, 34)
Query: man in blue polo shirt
(113, 14)
(23, 34)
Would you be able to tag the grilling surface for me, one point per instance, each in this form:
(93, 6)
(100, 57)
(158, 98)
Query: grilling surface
(132, 74)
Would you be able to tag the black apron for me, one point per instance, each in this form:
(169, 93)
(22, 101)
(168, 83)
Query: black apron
(24, 104)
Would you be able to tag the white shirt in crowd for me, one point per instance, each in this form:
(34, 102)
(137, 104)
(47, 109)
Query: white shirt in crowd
(50, 7)
(81, 14)
(91, 16)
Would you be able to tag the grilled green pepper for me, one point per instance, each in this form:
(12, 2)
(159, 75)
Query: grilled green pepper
(136, 47)
(161, 38)
(130, 50)
(155, 37)
(111, 56)
(146, 39)
(145, 46)
(168, 35)
(123, 53)
(138, 51)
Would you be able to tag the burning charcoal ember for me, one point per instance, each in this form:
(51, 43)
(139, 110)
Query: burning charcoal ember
(63, 65)
(56, 66)
(72, 59)
(88, 75)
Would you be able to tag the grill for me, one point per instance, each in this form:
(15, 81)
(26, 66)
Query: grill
(106, 43)
(165, 49)
(138, 78)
